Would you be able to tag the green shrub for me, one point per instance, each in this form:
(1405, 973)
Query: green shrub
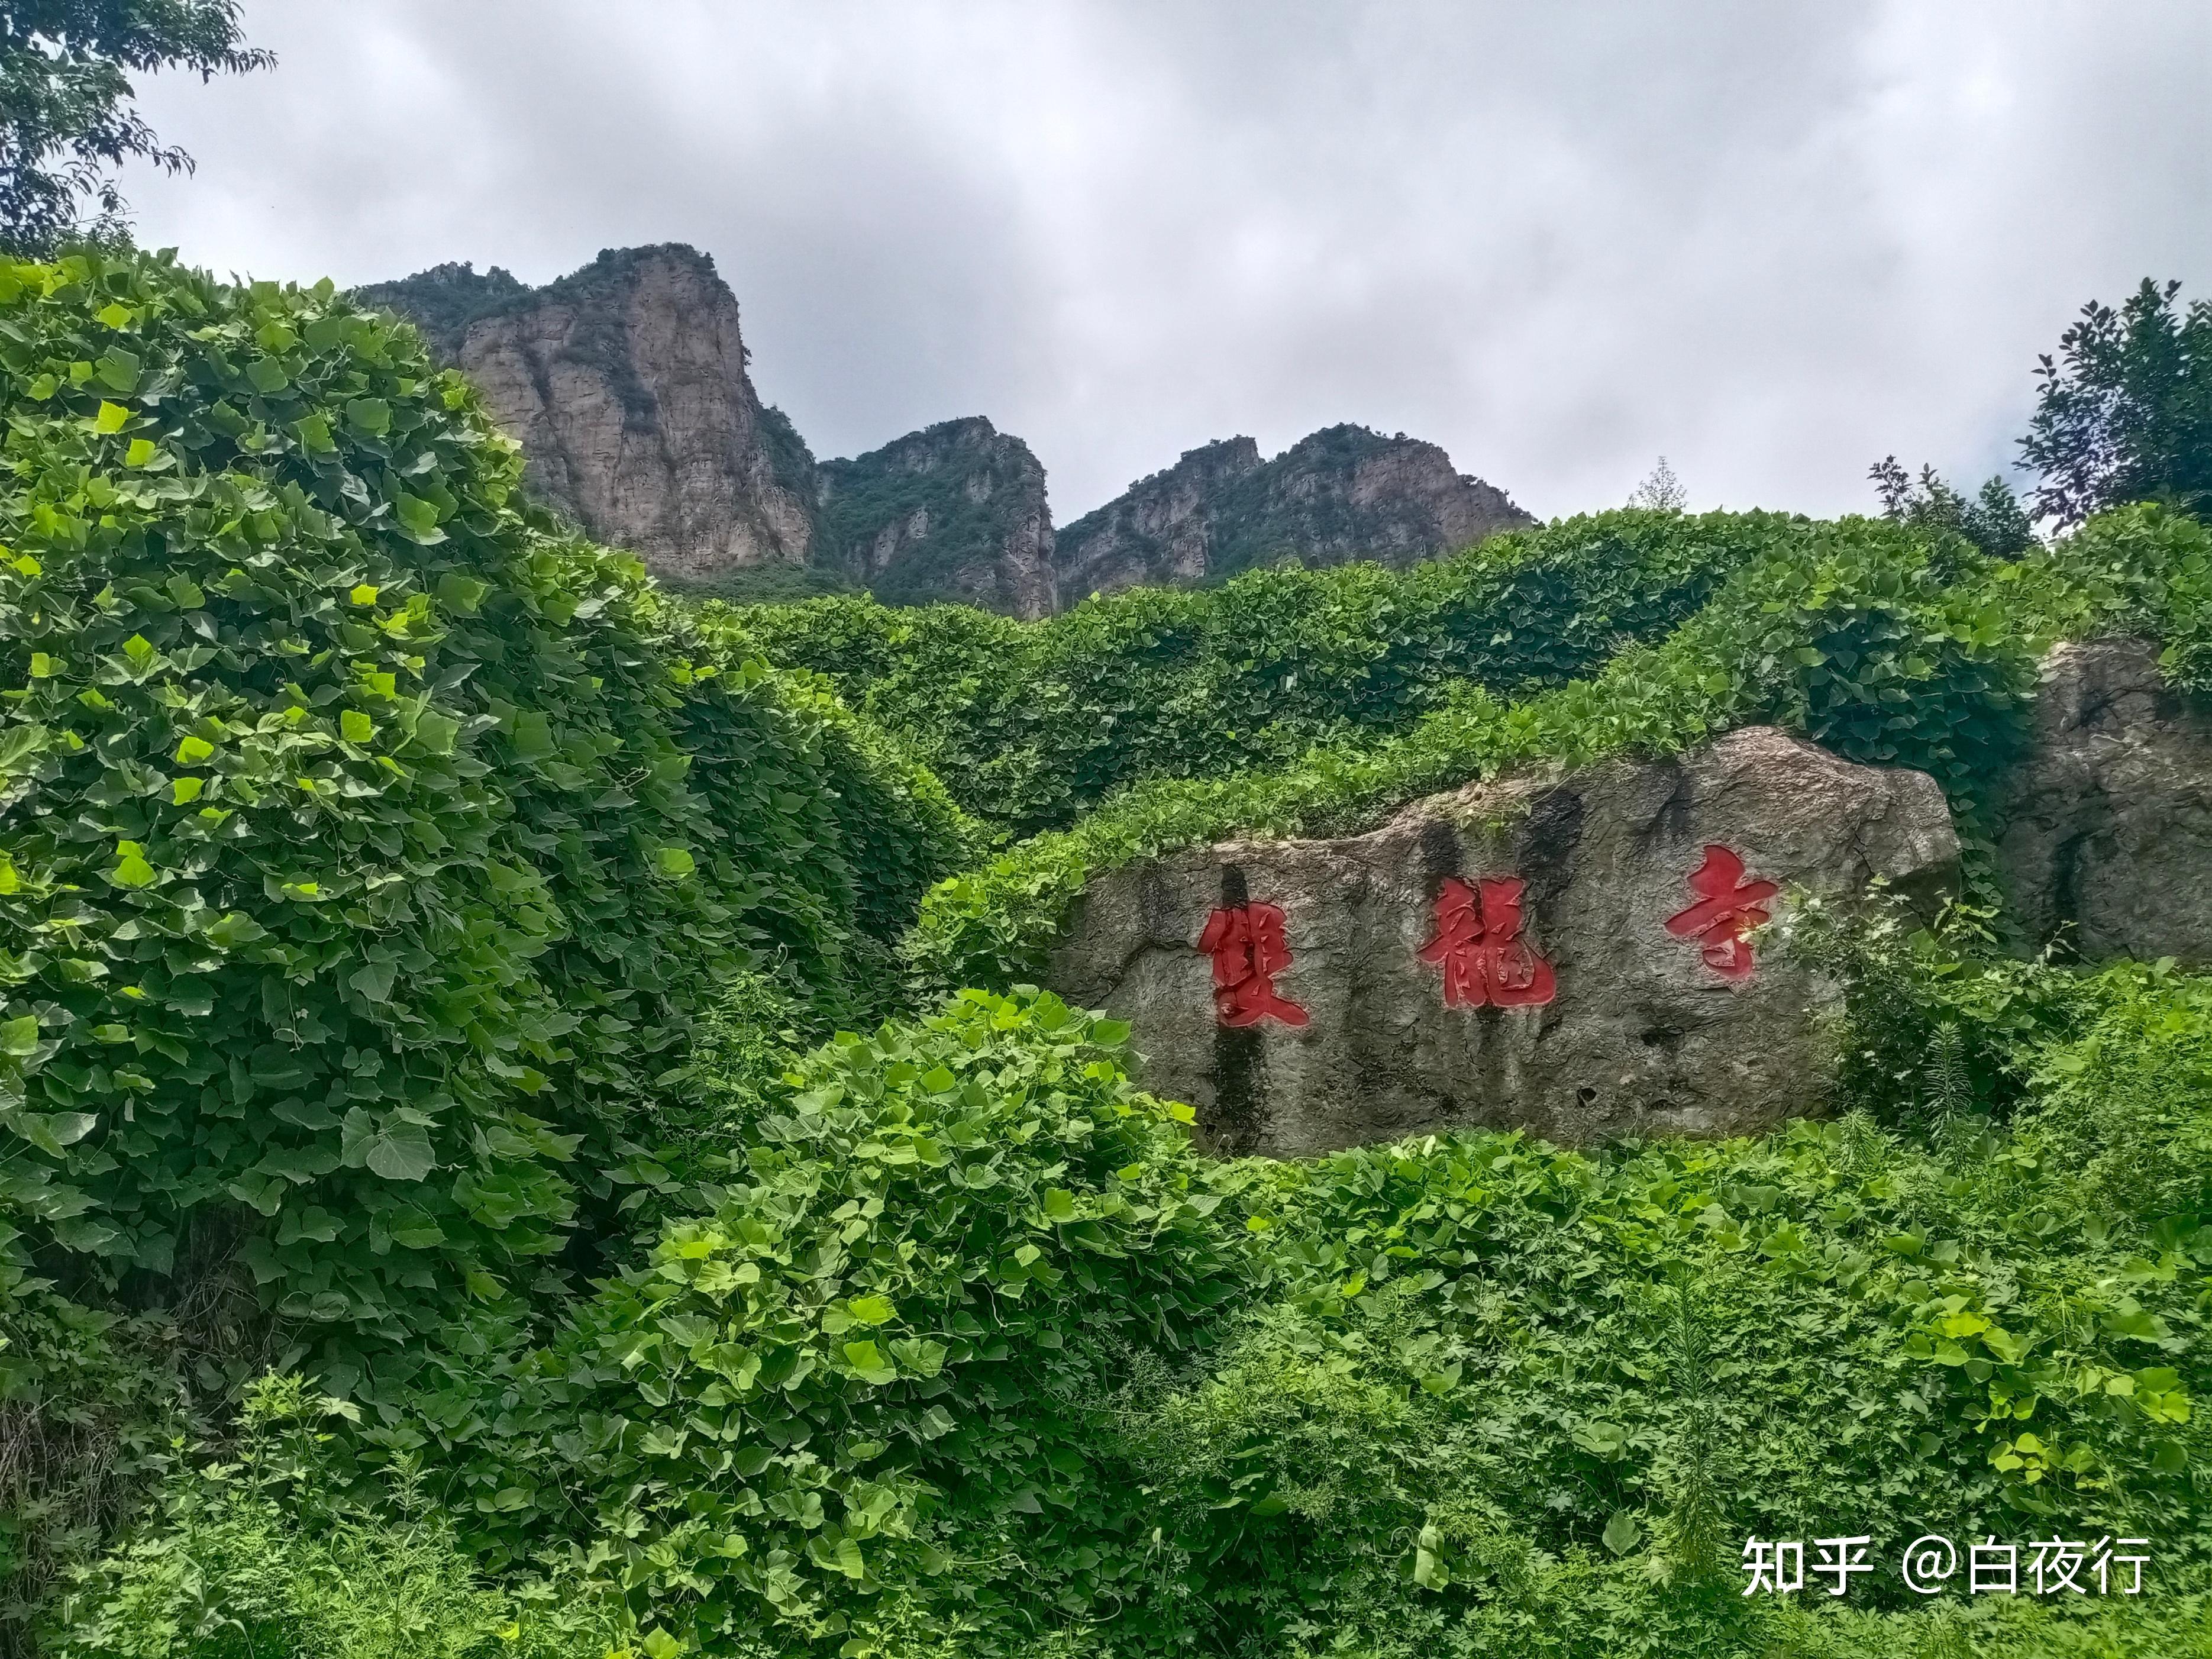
(871, 1365)
(1445, 1397)
(258, 1558)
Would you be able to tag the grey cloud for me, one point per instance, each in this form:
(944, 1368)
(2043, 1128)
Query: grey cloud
(1774, 242)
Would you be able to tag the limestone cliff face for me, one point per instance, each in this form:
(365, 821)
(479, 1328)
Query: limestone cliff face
(1344, 492)
(957, 511)
(626, 384)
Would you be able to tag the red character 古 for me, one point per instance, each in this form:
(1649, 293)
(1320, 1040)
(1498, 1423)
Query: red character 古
(1478, 943)
(1727, 910)
(1248, 949)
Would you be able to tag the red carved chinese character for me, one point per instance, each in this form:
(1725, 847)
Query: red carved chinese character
(1728, 908)
(1248, 950)
(1478, 941)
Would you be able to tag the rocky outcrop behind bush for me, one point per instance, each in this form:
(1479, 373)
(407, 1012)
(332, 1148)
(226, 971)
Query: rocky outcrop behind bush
(2107, 845)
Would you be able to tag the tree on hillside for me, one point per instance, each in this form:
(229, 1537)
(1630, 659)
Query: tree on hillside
(2125, 415)
(1993, 520)
(66, 117)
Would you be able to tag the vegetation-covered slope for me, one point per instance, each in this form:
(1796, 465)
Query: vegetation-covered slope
(1884, 646)
(1031, 725)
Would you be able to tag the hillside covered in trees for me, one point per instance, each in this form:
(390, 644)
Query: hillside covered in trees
(533, 1129)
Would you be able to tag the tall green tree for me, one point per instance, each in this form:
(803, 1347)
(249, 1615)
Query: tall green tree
(2125, 413)
(66, 117)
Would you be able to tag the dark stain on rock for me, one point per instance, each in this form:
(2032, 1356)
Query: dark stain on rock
(1234, 892)
(1672, 821)
(1230, 1127)
(1549, 838)
(1440, 854)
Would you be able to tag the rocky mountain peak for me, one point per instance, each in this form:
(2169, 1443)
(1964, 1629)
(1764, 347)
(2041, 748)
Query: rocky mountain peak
(625, 382)
(957, 511)
(1343, 493)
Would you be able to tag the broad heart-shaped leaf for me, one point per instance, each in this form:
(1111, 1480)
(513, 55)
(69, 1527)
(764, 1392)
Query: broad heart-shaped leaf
(118, 371)
(374, 979)
(872, 1310)
(132, 871)
(392, 1148)
(19, 744)
(1622, 1533)
(19, 1036)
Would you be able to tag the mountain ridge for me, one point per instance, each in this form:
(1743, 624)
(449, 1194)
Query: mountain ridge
(626, 382)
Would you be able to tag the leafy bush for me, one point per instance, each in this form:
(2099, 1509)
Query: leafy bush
(973, 1356)
(2125, 413)
(260, 1558)
(1032, 724)
(870, 1362)
(371, 844)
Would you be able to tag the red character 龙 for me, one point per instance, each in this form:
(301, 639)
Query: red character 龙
(1727, 910)
(1248, 949)
(1478, 943)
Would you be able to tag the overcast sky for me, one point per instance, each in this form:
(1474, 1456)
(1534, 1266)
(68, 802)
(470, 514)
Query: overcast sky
(1774, 242)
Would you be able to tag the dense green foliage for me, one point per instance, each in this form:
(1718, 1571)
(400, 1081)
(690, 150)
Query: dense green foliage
(1031, 725)
(264, 1555)
(975, 1356)
(421, 940)
(66, 120)
(2124, 414)
(373, 848)
(1881, 645)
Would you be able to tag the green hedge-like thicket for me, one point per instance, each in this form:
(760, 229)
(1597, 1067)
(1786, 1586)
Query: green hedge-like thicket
(369, 844)
(1866, 636)
(1031, 725)
(974, 1356)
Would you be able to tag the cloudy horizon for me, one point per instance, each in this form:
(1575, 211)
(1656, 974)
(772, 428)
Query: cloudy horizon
(1773, 244)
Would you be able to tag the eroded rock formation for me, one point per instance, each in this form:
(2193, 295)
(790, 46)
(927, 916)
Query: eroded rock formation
(1567, 955)
(1342, 494)
(626, 384)
(957, 511)
(2107, 845)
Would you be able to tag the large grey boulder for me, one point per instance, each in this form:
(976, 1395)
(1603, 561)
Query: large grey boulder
(2108, 834)
(1594, 1018)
